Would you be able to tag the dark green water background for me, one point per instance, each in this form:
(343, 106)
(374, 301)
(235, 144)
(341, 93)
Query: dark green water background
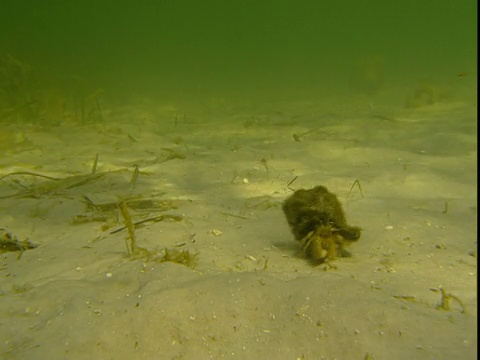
(150, 47)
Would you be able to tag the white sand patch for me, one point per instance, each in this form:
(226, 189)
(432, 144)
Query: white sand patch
(225, 173)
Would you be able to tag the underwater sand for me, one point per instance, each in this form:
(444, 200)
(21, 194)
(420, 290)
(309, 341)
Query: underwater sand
(225, 168)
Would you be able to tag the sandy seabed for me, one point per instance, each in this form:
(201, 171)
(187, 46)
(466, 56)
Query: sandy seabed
(211, 181)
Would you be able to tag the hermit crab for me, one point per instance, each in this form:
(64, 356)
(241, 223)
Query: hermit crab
(318, 222)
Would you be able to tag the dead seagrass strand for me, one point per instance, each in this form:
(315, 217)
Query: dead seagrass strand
(130, 227)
